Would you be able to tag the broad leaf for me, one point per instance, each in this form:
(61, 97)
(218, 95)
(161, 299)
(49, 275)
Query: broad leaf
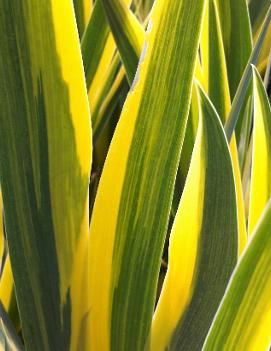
(45, 158)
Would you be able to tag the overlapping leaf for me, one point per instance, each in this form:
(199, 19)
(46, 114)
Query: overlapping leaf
(241, 93)
(82, 9)
(216, 82)
(136, 187)
(127, 32)
(205, 228)
(237, 39)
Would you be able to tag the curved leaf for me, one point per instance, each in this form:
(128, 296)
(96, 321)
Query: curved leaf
(205, 228)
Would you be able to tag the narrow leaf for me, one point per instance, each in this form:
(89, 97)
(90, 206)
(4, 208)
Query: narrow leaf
(128, 34)
(237, 40)
(240, 95)
(98, 49)
(82, 10)
(260, 188)
(9, 340)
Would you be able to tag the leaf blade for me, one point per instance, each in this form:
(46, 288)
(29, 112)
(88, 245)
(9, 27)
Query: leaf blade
(113, 235)
(186, 307)
(42, 85)
(243, 319)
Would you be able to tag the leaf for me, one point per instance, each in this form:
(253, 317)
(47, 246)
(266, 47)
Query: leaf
(243, 320)
(9, 340)
(128, 33)
(215, 71)
(205, 228)
(237, 38)
(143, 8)
(45, 158)
(240, 96)
(104, 77)
(187, 148)
(108, 104)
(257, 11)
(110, 79)
(82, 9)
(141, 164)
(245, 134)
(2, 236)
(98, 49)
(260, 188)
(6, 285)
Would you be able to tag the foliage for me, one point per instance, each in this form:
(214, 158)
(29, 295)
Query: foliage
(135, 169)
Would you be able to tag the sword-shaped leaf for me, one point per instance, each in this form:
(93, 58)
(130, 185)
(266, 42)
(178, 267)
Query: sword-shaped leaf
(205, 229)
(133, 202)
